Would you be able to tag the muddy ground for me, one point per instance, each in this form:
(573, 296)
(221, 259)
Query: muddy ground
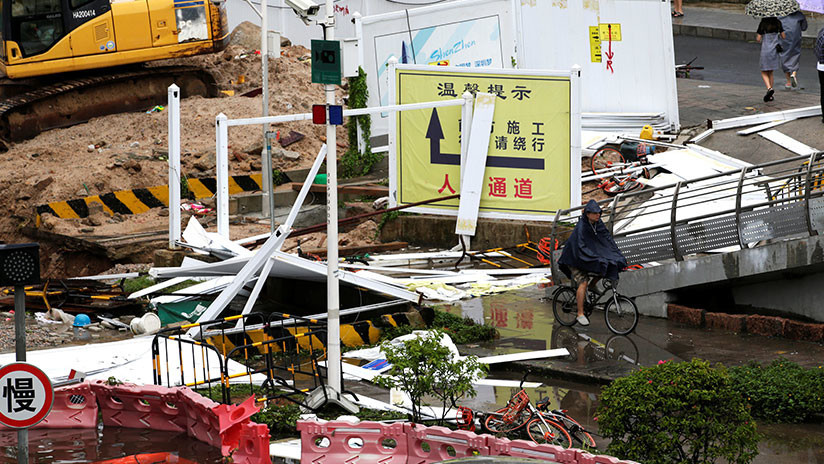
(129, 150)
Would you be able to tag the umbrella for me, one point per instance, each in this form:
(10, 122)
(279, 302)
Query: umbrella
(816, 6)
(767, 8)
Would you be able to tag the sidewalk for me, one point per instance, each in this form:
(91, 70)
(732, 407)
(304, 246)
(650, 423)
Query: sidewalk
(729, 22)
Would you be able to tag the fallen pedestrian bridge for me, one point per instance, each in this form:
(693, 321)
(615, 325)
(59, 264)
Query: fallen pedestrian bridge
(751, 235)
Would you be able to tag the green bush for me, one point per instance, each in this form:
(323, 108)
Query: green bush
(782, 391)
(685, 412)
(353, 163)
(423, 367)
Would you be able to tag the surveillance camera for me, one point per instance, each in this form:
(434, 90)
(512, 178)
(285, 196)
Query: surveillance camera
(304, 8)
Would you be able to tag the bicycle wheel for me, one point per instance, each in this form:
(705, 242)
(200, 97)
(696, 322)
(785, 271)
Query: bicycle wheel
(622, 317)
(495, 424)
(564, 306)
(547, 431)
(604, 159)
(579, 436)
(622, 348)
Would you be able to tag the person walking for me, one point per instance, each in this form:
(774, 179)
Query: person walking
(769, 35)
(677, 8)
(590, 253)
(819, 54)
(794, 24)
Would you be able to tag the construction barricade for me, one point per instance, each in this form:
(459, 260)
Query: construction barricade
(139, 407)
(404, 443)
(178, 409)
(330, 442)
(74, 407)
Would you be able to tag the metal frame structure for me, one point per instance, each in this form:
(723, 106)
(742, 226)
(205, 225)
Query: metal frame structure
(280, 333)
(784, 200)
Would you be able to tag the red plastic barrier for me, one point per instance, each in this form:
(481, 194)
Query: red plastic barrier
(528, 449)
(201, 421)
(231, 419)
(334, 442)
(141, 407)
(253, 446)
(74, 407)
(586, 458)
(432, 444)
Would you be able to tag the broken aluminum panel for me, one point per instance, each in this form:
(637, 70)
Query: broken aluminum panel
(788, 142)
(702, 136)
(286, 266)
(789, 115)
(762, 127)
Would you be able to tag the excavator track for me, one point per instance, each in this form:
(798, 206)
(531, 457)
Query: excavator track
(77, 100)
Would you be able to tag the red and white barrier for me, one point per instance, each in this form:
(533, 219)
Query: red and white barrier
(333, 442)
(341, 441)
(178, 409)
(139, 407)
(74, 407)
(431, 444)
(253, 446)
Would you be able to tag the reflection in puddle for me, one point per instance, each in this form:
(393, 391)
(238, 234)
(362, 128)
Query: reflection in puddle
(103, 443)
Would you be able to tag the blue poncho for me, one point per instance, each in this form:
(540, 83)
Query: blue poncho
(591, 248)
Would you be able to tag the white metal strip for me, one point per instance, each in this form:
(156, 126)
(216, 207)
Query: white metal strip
(762, 127)
(524, 356)
(742, 121)
(787, 142)
(473, 181)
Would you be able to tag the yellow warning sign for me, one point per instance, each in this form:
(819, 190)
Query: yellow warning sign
(595, 43)
(610, 31)
(528, 163)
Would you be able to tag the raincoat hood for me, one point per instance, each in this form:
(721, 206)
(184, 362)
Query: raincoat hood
(592, 207)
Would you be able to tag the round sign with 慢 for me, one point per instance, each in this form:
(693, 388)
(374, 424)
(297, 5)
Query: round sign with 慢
(26, 395)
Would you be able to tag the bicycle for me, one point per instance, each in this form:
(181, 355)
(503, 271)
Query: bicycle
(575, 430)
(520, 413)
(620, 312)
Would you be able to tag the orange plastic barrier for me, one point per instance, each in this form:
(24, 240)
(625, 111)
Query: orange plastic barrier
(253, 446)
(139, 407)
(429, 444)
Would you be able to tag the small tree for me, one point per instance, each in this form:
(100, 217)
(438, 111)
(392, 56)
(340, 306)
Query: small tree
(677, 413)
(424, 367)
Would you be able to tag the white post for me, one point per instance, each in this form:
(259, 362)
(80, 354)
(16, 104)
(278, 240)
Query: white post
(575, 136)
(266, 177)
(174, 165)
(334, 368)
(222, 161)
(394, 169)
(356, 17)
(466, 130)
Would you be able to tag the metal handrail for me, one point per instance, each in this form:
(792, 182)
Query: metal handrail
(796, 181)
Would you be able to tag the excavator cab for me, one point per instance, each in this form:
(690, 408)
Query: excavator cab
(43, 37)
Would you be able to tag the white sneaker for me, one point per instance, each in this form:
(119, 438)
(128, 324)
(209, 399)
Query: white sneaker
(582, 320)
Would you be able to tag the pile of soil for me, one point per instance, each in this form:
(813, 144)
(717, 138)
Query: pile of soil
(129, 150)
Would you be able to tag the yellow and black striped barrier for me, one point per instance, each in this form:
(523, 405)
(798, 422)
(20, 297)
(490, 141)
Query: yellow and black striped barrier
(140, 200)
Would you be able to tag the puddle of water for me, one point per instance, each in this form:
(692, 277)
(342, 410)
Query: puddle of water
(81, 446)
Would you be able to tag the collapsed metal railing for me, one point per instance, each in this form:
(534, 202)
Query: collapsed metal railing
(741, 208)
(277, 353)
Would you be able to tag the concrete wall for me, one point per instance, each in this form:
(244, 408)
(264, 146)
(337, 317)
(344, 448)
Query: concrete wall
(785, 276)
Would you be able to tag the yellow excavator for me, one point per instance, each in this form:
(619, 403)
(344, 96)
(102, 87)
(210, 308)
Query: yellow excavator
(65, 61)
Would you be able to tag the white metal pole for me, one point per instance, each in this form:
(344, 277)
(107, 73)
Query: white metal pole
(20, 350)
(394, 169)
(174, 165)
(333, 295)
(466, 126)
(356, 17)
(575, 136)
(222, 160)
(266, 178)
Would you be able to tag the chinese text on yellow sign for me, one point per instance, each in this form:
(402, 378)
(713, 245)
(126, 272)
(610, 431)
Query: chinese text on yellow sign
(528, 165)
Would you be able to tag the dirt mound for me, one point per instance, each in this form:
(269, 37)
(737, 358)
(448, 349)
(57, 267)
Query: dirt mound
(129, 150)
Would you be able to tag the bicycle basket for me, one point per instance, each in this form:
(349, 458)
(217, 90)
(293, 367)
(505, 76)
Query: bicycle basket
(515, 405)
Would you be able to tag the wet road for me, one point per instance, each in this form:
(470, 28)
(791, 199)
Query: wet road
(68, 446)
(525, 322)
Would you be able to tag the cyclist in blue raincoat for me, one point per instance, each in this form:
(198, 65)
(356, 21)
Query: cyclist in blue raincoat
(590, 253)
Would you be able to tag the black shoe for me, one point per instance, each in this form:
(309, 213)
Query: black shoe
(769, 95)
